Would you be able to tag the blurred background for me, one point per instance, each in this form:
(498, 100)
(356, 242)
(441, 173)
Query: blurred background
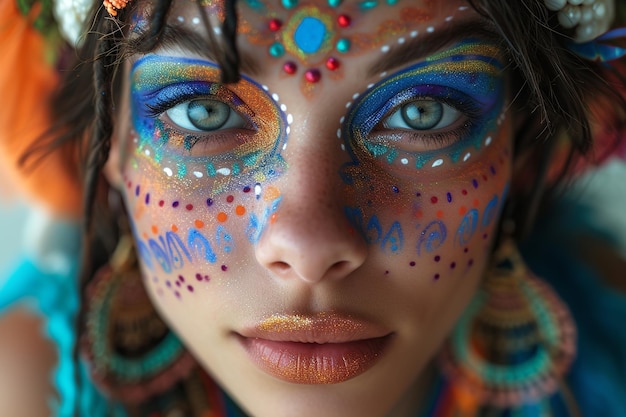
(13, 216)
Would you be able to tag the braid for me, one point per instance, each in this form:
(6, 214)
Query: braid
(100, 141)
(151, 38)
(230, 65)
(107, 38)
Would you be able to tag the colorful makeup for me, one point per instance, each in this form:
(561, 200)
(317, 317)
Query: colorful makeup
(312, 41)
(201, 235)
(433, 113)
(190, 126)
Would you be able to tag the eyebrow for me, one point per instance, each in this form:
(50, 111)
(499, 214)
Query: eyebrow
(429, 43)
(174, 37)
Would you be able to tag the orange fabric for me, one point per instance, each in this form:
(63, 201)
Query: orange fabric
(26, 82)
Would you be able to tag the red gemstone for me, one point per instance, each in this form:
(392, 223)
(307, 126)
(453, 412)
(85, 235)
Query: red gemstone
(344, 20)
(275, 25)
(312, 75)
(332, 63)
(290, 67)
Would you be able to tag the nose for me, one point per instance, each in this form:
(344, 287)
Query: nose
(310, 238)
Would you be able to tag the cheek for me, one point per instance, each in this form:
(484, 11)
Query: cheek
(190, 238)
(439, 224)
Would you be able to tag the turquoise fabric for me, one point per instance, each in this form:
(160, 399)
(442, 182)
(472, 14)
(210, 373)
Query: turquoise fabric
(55, 298)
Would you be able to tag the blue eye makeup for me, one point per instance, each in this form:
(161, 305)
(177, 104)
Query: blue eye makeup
(190, 124)
(435, 109)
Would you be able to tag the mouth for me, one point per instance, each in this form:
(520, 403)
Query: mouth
(325, 348)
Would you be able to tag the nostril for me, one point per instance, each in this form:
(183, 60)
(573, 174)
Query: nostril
(280, 267)
(339, 268)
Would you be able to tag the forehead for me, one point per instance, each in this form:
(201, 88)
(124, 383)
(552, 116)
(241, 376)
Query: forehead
(372, 9)
(310, 24)
(309, 38)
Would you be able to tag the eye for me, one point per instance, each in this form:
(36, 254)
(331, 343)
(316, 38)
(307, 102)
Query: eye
(423, 114)
(205, 115)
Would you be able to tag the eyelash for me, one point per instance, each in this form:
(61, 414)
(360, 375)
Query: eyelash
(174, 95)
(167, 99)
(468, 109)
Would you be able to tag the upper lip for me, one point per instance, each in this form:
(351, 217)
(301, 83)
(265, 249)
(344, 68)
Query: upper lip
(323, 327)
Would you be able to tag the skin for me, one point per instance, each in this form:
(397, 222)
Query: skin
(321, 232)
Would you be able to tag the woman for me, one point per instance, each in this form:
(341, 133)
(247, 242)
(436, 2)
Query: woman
(320, 200)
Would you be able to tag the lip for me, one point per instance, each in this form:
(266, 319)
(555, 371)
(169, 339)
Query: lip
(325, 348)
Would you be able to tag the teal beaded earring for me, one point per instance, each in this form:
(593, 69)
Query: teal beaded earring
(513, 345)
(133, 355)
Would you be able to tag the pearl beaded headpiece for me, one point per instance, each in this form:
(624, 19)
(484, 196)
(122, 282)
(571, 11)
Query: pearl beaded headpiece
(591, 18)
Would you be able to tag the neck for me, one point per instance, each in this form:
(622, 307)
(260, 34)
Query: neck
(412, 403)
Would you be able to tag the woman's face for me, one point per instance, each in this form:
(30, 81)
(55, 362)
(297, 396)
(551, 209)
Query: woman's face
(314, 231)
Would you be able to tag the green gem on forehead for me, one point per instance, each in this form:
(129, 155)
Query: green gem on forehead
(334, 3)
(277, 50)
(392, 2)
(368, 4)
(343, 45)
(289, 4)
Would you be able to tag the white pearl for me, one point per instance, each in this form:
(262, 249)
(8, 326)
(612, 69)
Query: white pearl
(599, 9)
(555, 5)
(575, 2)
(587, 15)
(569, 16)
(585, 33)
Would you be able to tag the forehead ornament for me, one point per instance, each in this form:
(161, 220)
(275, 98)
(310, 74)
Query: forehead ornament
(590, 18)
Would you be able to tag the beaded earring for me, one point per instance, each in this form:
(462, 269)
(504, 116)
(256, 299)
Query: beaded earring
(513, 345)
(133, 355)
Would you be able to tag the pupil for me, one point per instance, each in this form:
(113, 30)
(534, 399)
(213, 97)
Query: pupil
(208, 114)
(422, 114)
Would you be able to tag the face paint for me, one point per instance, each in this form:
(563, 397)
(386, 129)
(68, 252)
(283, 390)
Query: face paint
(191, 127)
(219, 262)
(437, 112)
(313, 41)
(201, 235)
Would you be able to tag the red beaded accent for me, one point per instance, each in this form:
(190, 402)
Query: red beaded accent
(313, 75)
(332, 63)
(275, 25)
(290, 67)
(344, 20)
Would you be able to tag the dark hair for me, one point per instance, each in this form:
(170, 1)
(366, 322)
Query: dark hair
(552, 90)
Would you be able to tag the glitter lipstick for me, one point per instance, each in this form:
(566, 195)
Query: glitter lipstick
(325, 348)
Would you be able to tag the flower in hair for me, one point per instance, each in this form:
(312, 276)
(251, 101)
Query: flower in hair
(70, 16)
(113, 6)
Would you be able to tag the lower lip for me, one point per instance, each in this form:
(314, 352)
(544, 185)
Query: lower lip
(311, 363)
